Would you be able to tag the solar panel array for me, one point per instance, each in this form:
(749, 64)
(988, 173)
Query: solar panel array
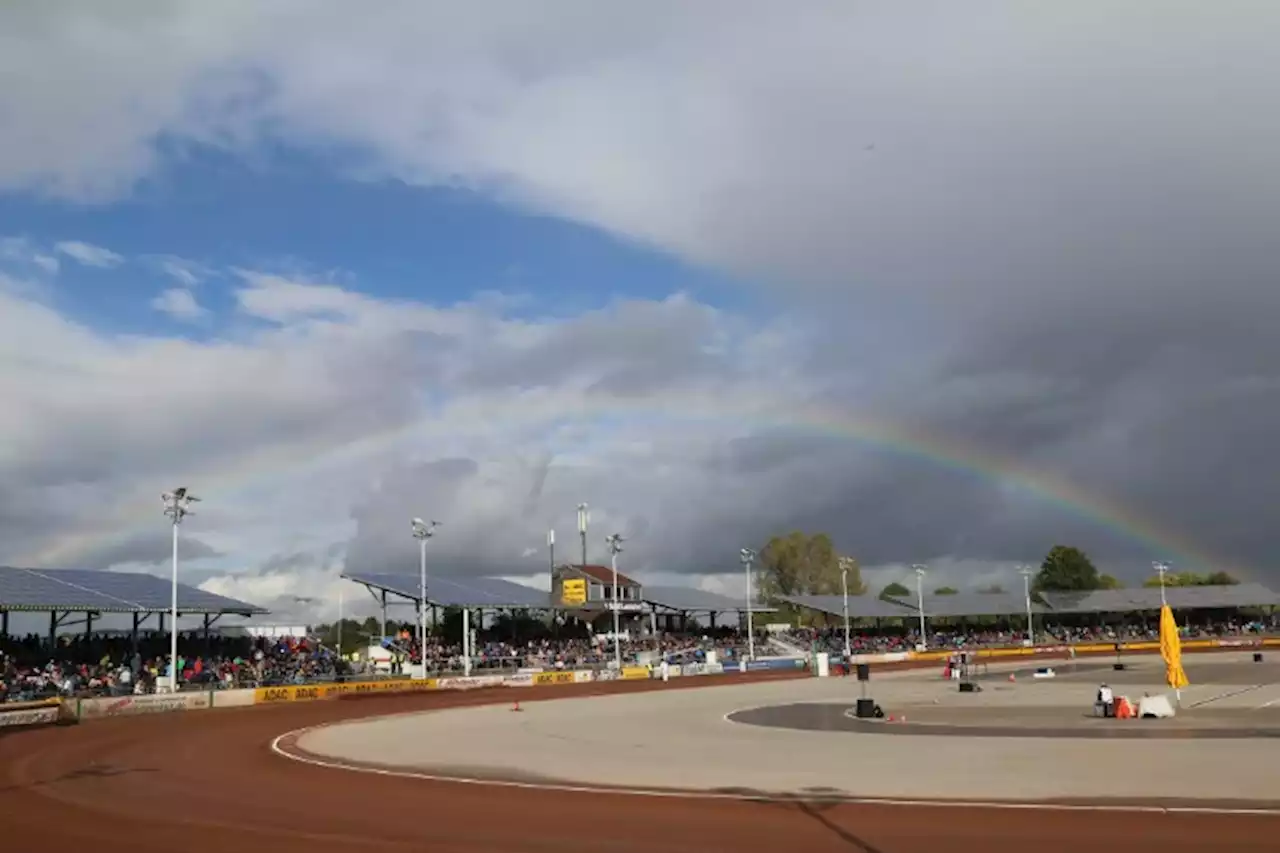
(107, 592)
(458, 592)
(1148, 598)
(688, 599)
(979, 604)
(860, 606)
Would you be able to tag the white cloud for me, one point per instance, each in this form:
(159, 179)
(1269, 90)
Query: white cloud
(88, 254)
(952, 189)
(179, 304)
(48, 263)
(186, 273)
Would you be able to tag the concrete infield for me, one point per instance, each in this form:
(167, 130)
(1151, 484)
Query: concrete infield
(687, 739)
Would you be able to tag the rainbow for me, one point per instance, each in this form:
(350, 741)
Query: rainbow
(535, 410)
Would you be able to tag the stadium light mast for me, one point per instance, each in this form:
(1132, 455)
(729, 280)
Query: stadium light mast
(422, 531)
(844, 597)
(584, 521)
(748, 557)
(1162, 569)
(920, 572)
(177, 506)
(1026, 572)
(614, 541)
(551, 548)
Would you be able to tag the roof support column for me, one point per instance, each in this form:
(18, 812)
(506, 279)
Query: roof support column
(133, 635)
(4, 623)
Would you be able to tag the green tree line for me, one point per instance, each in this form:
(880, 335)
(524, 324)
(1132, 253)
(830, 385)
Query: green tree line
(798, 563)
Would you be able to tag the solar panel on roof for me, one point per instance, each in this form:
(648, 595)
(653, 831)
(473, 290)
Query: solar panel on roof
(691, 599)
(860, 606)
(22, 589)
(457, 592)
(120, 592)
(978, 604)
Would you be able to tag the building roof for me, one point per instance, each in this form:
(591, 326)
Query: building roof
(457, 592)
(685, 599)
(978, 604)
(601, 574)
(860, 606)
(1148, 598)
(82, 590)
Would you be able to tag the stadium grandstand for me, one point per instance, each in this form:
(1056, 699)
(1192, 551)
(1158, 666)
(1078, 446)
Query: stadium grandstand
(665, 606)
(65, 593)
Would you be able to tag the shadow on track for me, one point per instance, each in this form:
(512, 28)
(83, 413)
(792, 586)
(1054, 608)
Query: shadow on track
(814, 804)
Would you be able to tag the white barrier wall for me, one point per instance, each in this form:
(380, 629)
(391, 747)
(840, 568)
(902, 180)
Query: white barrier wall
(233, 698)
(128, 706)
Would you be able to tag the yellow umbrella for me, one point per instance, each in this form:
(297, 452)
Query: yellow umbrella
(1171, 650)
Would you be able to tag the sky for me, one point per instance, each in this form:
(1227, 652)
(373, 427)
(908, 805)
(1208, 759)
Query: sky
(950, 283)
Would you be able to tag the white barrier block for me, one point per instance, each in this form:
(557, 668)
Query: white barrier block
(1155, 706)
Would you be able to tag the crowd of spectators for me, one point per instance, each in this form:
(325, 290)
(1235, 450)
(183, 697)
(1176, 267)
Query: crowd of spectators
(106, 664)
(109, 665)
(832, 639)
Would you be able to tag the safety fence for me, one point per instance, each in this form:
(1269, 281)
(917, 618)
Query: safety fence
(68, 710)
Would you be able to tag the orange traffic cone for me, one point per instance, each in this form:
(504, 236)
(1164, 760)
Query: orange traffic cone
(891, 718)
(1012, 677)
(515, 706)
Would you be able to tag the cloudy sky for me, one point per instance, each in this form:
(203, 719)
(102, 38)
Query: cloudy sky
(951, 282)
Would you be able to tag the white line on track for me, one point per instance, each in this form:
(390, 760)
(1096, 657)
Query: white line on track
(565, 788)
(1227, 695)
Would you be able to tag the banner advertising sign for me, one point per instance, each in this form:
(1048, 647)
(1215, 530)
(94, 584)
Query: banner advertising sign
(633, 673)
(573, 591)
(310, 692)
(29, 717)
(520, 679)
(555, 677)
(128, 706)
(775, 664)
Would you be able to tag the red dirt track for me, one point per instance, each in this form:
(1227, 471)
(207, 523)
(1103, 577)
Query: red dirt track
(208, 781)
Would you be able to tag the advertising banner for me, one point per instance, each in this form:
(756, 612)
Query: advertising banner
(128, 706)
(715, 669)
(469, 682)
(555, 678)
(634, 673)
(694, 669)
(775, 664)
(311, 692)
(520, 679)
(582, 676)
(573, 592)
(607, 675)
(29, 716)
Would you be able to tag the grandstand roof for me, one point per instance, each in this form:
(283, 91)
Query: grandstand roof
(860, 606)
(979, 604)
(1148, 598)
(46, 590)
(457, 592)
(690, 600)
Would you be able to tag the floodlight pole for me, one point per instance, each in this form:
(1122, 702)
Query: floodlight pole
(422, 532)
(551, 548)
(177, 506)
(920, 570)
(1162, 569)
(748, 557)
(844, 595)
(614, 541)
(1025, 571)
(584, 521)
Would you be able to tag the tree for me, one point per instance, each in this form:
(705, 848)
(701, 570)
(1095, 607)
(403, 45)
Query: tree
(1108, 582)
(946, 590)
(895, 590)
(1191, 579)
(994, 589)
(798, 564)
(1066, 569)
